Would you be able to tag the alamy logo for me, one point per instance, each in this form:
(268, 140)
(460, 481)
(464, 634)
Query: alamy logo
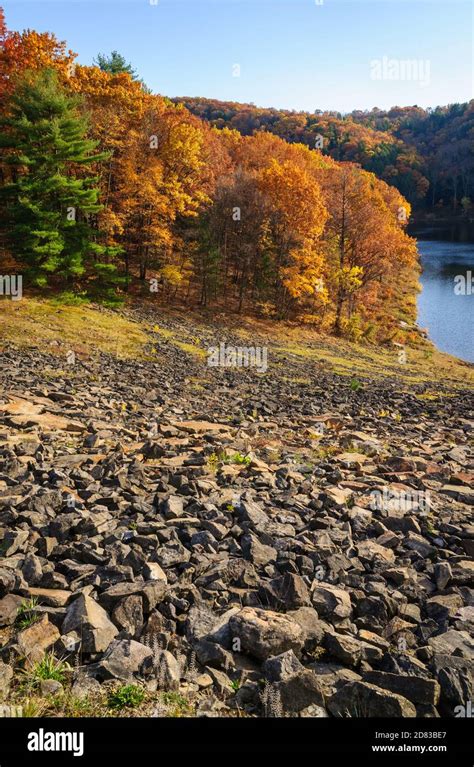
(56, 741)
(399, 500)
(11, 285)
(464, 712)
(415, 70)
(238, 357)
(10, 711)
(464, 284)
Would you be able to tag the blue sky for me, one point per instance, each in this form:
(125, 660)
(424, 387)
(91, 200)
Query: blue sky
(294, 54)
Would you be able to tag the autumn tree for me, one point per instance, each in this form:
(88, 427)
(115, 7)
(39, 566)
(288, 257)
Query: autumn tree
(237, 224)
(28, 51)
(296, 222)
(366, 240)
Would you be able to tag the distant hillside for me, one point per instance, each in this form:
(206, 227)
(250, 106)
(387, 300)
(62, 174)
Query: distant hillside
(427, 154)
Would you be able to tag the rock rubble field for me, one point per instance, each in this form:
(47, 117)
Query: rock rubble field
(278, 544)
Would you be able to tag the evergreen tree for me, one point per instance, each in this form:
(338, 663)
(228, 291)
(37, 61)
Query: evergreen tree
(114, 64)
(48, 199)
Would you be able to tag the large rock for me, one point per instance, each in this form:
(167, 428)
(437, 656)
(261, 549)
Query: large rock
(153, 572)
(150, 593)
(50, 597)
(313, 628)
(463, 573)
(34, 641)
(85, 686)
(263, 633)
(288, 592)
(373, 552)
(453, 642)
(299, 691)
(9, 606)
(252, 514)
(200, 621)
(91, 622)
(13, 541)
(457, 684)
(7, 581)
(331, 602)
(128, 615)
(415, 688)
(258, 553)
(443, 607)
(172, 555)
(164, 667)
(173, 507)
(361, 699)
(282, 666)
(123, 660)
(351, 651)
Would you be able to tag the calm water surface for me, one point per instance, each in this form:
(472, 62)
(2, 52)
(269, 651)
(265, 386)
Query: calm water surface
(448, 318)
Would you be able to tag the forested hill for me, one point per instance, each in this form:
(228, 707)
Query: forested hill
(427, 154)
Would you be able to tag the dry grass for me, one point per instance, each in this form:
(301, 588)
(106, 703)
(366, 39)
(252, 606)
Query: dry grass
(84, 329)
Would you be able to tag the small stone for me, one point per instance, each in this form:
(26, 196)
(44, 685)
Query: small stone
(173, 507)
(153, 572)
(85, 687)
(50, 687)
(6, 676)
(442, 575)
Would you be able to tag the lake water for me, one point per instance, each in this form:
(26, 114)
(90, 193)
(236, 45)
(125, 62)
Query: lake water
(448, 317)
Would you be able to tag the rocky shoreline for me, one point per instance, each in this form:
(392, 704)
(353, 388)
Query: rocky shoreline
(261, 546)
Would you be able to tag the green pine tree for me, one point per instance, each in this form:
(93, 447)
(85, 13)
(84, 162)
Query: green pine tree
(114, 64)
(48, 198)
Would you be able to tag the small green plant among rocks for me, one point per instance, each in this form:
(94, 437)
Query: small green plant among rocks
(27, 613)
(237, 459)
(176, 704)
(127, 696)
(49, 667)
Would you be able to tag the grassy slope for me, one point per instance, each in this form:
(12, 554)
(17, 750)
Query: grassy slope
(83, 329)
(90, 329)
